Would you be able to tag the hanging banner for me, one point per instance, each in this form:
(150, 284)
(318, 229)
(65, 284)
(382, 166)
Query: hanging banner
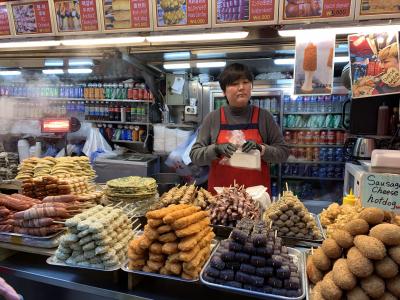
(377, 9)
(227, 13)
(306, 11)
(32, 17)
(313, 71)
(374, 62)
(5, 29)
(126, 15)
(182, 14)
(74, 16)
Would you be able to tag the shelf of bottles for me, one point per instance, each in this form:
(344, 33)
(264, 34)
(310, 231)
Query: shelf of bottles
(123, 133)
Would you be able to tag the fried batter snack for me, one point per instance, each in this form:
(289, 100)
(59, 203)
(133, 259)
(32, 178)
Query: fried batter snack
(168, 237)
(132, 254)
(170, 217)
(161, 213)
(147, 269)
(206, 240)
(154, 222)
(150, 233)
(164, 229)
(164, 271)
(188, 242)
(195, 262)
(194, 228)
(136, 264)
(173, 257)
(170, 248)
(154, 265)
(187, 276)
(145, 242)
(156, 248)
(174, 268)
(187, 256)
(156, 257)
(191, 219)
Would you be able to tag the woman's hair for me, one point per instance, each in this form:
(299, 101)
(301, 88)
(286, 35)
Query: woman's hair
(389, 51)
(232, 73)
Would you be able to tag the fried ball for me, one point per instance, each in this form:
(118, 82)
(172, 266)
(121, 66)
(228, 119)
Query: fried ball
(370, 247)
(357, 294)
(313, 273)
(394, 253)
(373, 285)
(331, 248)
(316, 292)
(342, 276)
(320, 260)
(357, 226)
(358, 264)
(389, 234)
(372, 215)
(343, 238)
(329, 289)
(386, 268)
(387, 296)
(393, 285)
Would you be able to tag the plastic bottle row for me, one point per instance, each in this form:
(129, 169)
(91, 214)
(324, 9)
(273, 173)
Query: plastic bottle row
(316, 137)
(313, 121)
(314, 170)
(325, 104)
(105, 111)
(37, 110)
(123, 133)
(317, 154)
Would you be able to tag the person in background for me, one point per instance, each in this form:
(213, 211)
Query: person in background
(7, 292)
(260, 130)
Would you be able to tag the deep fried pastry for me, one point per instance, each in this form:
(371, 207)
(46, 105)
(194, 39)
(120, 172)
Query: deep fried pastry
(161, 213)
(195, 262)
(170, 248)
(133, 255)
(187, 276)
(187, 256)
(136, 264)
(145, 242)
(173, 257)
(188, 242)
(155, 222)
(174, 268)
(150, 233)
(155, 265)
(191, 219)
(206, 240)
(194, 228)
(156, 257)
(177, 214)
(156, 248)
(147, 269)
(193, 274)
(164, 229)
(164, 271)
(168, 237)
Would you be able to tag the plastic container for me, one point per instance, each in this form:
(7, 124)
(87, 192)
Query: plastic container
(349, 199)
(23, 150)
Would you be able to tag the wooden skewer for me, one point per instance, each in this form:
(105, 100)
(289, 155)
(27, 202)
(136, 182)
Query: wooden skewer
(287, 187)
(136, 228)
(58, 222)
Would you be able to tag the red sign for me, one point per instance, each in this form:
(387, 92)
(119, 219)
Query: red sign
(32, 18)
(76, 16)
(132, 14)
(182, 13)
(56, 125)
(237, 11)
(197, 12)
(4, 24)
(140, 14)
(306, 9)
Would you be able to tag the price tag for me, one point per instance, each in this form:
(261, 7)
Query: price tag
(32, 17)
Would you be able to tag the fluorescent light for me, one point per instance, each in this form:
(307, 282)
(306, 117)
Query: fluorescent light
(176, 55)
(52, 71)
(341, 59)
(284, 61)
(177, 66)
(80, 71)
(10, 73)
(210, 55)
(339, 30)
(53, 62)
(80, 62)
(197, 37)
(211, 64)
(105, 41)
(31, 44)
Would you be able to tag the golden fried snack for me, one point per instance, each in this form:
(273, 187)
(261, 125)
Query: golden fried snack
(156, 257)
(155, 265)
(187, 256)
(173, 258)
(358, 264)
(320, 260)
(372, 215)
(150, 233)
(164, 271)
(313, 273)
(331, 248)
(177, 214)
(343, 238)
(316, 292)
(147, 269)
(195, 262)
(389, 234)
(193, 274)
(329, 289)
(394, 253)
(189, 220)
(168, 237)
(370, 247)
(136, 264)
(145, 242)
(170, 248)
(206, 241)
(155, 222)
(156, 248)
(194, 228)
(342, 276)
(373, 285)
(357, 294)
(164, 229)
(393, 286)
(174, 268)
(386, 268)
(187, 276)
(161, 213)
(133, 255)
(188, 242)
(357, 226)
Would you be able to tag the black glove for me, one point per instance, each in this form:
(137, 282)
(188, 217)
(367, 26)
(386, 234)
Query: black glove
(225, 149)
(250, 145)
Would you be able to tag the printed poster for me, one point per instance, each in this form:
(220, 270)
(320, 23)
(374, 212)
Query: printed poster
(126, 14)
(32, 17)
(374, 64)
(4, 21)
(313, 71)
(377, 9)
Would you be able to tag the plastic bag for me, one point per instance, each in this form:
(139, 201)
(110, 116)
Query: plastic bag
(96, 145)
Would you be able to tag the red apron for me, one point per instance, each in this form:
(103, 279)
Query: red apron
(222, 175)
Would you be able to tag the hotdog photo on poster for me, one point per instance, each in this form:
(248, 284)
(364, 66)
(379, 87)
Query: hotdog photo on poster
(76, 15)
(374, 62)
(313, 72)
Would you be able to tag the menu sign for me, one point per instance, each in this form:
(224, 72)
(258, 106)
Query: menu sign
(381, 191)
(76, 15)
(4, 21)
(31, 17)
(229, 12)
(297, 11)
(377, 9)
(130, 15)
(182, 13)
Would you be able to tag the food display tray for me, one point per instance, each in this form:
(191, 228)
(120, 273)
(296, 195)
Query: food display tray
(54, 262)
(51, 241)
(214, 244)
(300, 263)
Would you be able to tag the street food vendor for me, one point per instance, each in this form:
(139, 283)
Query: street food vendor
(260, 130)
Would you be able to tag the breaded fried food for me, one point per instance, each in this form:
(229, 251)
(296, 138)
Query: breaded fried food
(173, 257)
(168, 237)
(329, 289)
(393, 286)
(147, 269)
(373, 285)
(188, 242)
(187, 256)
(164, 271)
(135, 246)
(177, 214)
(174, 268)
(156, 257)
(154, 222)
(358, 264)
(187, 276)
(342, 276)
(316, 292)
(394, 253)
(150, 233)
(387, 296)
(133, 255)
(145, 242)
(161, 213)
(194, 228)
(156, 248)
(206, 241)
(370, 247)
(164, 229)
(321, 260)
(357, 294)
(331, 248)
(313, 273)
(386, 268)
(136, 264)
(192, 273)
(372, 215)
(170, 248)
(154, 265)
(191, 219)
(195, 262)
(343, 238)
(356, 227)
(389, 234)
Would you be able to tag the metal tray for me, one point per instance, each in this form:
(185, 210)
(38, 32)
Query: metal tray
(214, 244)
(32, 241)
(52, 261)
(300, 264)
(33, 237)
